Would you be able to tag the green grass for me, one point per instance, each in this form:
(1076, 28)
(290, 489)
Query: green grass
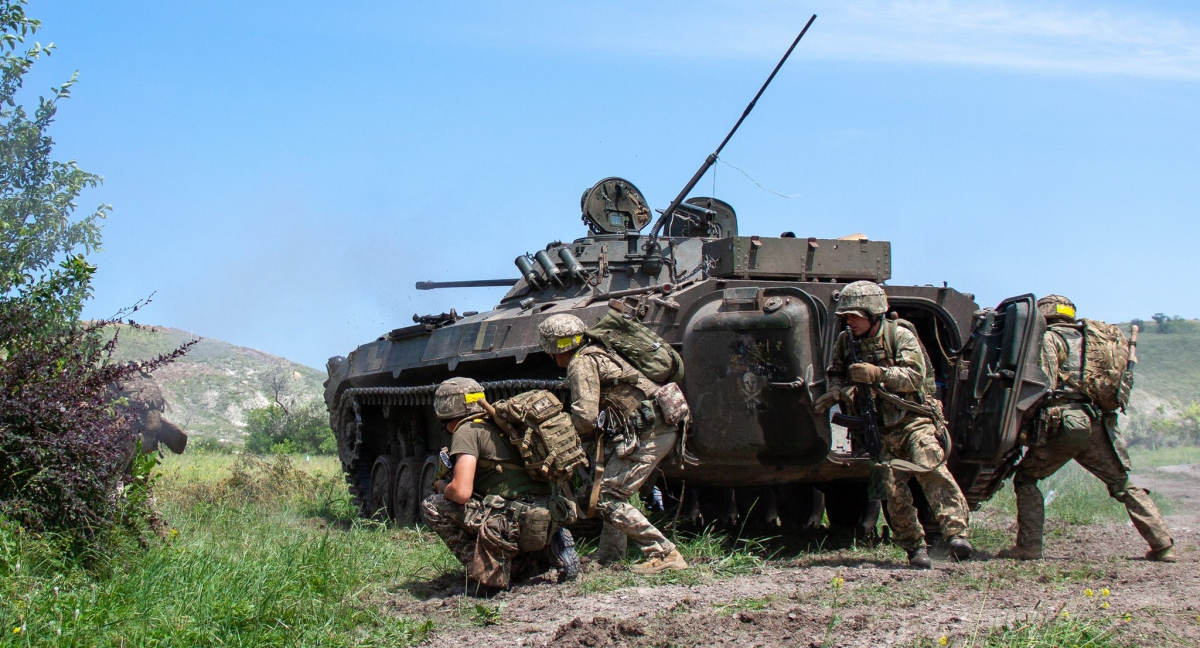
(259, 555)
(1144, 460)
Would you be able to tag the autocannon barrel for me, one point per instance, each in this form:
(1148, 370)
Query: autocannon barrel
(478, 283)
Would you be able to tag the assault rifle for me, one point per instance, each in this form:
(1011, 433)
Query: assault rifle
(867, 421)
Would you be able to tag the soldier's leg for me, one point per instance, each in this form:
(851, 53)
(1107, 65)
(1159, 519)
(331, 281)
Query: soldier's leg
(945, 498)
(1038, 464)
(623, 476)
(1102, 460)
(445, 518)
(907, 532)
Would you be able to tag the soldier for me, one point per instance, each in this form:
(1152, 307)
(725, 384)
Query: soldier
(600, 379)
(479, 513)
(895, 366)
(1072, 427)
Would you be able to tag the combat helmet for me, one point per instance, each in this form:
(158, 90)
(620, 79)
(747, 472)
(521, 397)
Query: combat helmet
(458, 398)
(1056, 307)
(865, 298)
(561, 333)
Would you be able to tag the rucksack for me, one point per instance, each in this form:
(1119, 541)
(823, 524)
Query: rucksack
(929, 384)
(638, 345)
(1107, 374)
(544, 435)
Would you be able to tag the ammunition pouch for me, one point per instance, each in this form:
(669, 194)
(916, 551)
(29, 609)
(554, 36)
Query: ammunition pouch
(533, 524)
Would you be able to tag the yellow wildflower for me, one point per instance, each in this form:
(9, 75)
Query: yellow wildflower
(1105, 592)
(1088, 592)
(943, 640)
(1127, 617)
(838, 581)
(1066, 614)
(1104, 605)
(17, 630)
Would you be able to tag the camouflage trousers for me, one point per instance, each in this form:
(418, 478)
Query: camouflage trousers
(486, 544)
(623, 476)
(1089, 442)
(917, 442)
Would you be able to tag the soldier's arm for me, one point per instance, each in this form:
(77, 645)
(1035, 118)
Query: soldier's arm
(583, 376)
(462, 485)
(908, 374)
(464, 447)
(1054, 353)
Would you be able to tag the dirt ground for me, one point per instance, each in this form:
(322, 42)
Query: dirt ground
(879, 603)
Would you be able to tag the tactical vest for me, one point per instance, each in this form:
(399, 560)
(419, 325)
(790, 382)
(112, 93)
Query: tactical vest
(507, 479)
(1070, 371)
(882, 351)
(627, 392)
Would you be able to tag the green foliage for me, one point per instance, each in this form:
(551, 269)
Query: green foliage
(37, 193)
(300, 430)
(238, 569)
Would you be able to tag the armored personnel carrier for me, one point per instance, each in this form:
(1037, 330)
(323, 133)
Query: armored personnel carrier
(752, 319)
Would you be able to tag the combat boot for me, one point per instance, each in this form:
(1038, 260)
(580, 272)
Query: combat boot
(1021, 552)
(673, 560)
(960, 548)
(1166, 554)
(563, 555)
(919, 558)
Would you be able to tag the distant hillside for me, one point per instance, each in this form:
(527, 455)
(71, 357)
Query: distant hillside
(209, 390)
(1167, 379)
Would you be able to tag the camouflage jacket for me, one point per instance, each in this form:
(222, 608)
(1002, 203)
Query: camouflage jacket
(593, 370)
(903, 369)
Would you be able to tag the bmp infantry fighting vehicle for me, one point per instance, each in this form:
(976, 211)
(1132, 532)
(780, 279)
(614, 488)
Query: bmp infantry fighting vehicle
(751, 317)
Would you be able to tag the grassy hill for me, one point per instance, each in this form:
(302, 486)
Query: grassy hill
(1167, 380)
(209, 390)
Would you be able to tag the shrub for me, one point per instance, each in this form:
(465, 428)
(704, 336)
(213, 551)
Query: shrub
(300, 430)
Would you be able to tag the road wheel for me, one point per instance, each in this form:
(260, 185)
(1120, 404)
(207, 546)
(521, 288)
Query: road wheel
(849, 510)
(379, 495)
(428, 476)
(404, 494)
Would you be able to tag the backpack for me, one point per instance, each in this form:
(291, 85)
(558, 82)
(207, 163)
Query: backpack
(544, 435)
(929, 384)
(638, 345)
(1107, 373)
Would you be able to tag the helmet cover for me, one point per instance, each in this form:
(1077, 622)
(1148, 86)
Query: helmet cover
(561, 333)
(457, 398)
(864, 298)
(1056, 307)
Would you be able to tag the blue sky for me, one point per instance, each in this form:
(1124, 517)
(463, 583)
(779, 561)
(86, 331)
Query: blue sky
(283, 172)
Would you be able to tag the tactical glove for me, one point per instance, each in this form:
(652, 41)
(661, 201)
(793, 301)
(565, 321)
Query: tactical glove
(865, 374)
(826, 401)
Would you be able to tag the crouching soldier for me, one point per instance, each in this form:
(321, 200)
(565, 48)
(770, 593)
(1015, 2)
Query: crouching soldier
(603, 381)
(1074, 426)
(491, 514)
(892, 363)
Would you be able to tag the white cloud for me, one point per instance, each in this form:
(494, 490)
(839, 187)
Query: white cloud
(1032, 36)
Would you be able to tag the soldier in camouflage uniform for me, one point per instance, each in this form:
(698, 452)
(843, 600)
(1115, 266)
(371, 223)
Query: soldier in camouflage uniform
(1071, 427)
(593, 373)
(477, 512)
(895, 366)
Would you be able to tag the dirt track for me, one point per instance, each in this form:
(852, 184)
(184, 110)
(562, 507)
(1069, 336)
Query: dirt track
(882, 603)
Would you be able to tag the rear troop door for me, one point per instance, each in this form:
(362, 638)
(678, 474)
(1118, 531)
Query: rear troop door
(997, 382)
